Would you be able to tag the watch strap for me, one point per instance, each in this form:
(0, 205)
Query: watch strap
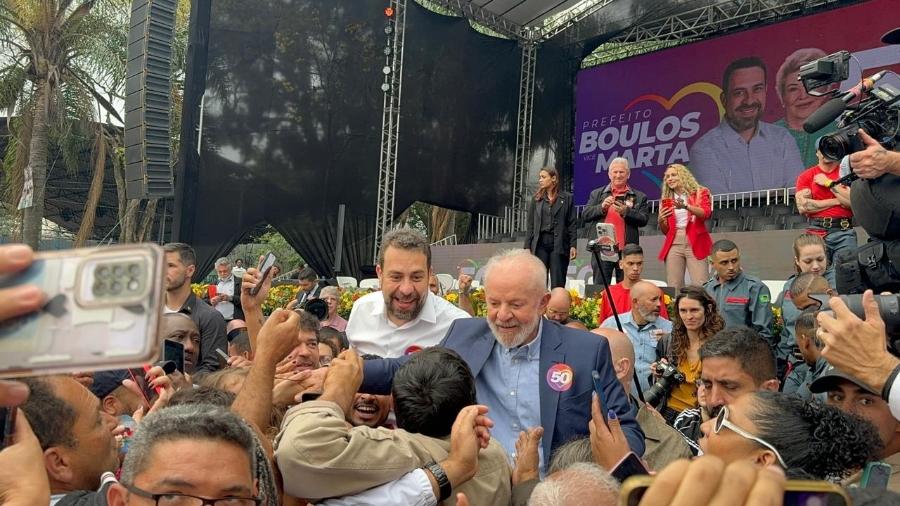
(441, 477)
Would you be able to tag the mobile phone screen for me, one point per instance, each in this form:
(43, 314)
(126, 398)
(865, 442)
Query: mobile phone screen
(595, 376)
(137, 376)
(265, 268)
(8, 422)
(174, 351)
(630, 466)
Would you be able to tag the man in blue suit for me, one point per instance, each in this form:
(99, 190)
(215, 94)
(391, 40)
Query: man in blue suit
(529, 371)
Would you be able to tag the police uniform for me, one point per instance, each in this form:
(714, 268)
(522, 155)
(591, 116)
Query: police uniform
(745, 300)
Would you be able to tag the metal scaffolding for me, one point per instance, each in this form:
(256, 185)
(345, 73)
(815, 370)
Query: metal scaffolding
(390, 120)
(702, 23)
(523, 125)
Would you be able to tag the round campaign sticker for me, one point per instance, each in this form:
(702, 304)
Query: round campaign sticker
(560, 377)
(412, 349)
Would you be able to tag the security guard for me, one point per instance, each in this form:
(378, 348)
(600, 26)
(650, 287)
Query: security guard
(742, 299)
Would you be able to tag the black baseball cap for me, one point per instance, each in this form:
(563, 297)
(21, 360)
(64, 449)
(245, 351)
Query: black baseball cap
(107, 381)
(891, 37)
(831, 377)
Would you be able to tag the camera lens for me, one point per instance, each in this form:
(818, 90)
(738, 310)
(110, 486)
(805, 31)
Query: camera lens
(134, 270)
(118, 271)
(115, 288)
(99, 289)
(102, 271)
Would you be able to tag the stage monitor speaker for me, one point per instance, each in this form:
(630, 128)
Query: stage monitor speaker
(148, 168)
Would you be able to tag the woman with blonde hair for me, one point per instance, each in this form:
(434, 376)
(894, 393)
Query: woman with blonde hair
(683, 213)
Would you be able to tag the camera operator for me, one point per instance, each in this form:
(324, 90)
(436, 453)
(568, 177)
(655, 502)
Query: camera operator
(875, 160)
(859, 347)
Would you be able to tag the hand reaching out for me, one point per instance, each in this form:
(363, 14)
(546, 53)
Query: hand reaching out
(527, 466)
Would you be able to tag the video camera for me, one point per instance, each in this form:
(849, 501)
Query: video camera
(877, 111)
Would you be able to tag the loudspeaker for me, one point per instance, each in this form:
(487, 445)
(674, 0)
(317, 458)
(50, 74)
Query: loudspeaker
(148, 169)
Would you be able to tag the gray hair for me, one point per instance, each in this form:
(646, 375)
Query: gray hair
(576, 451)
(223, 261)
(330, 290)
(620, 161)
(792, 64)
(581, 483)
(188, 421)
(406, 239)
(520, 255)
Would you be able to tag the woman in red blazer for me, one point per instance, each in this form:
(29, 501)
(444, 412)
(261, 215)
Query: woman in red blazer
(685, 208)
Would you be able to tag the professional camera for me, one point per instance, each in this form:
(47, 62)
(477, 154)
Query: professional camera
(315, 307)
(877, 113)
(669, 378)
(888, 308)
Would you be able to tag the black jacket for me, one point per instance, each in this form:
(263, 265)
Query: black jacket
(235, 299)
(635, 216)
(564, 225)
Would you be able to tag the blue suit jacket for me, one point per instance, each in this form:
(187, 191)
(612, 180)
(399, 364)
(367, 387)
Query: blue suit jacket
(564, 415)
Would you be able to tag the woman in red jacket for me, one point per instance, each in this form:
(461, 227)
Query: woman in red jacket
(685, 208)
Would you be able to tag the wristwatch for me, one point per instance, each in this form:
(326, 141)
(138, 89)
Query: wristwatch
(443, 481)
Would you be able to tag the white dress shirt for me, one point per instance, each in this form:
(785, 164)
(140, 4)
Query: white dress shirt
(894, 398)
(371, 332)
(226, 287)
(413, 488)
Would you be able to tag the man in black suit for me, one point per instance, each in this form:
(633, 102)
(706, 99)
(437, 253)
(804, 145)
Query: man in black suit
(620, 205)
(228, 292)
(309, 286)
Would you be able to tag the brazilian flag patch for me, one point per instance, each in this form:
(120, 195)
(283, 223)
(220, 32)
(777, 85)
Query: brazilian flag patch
(764, 298)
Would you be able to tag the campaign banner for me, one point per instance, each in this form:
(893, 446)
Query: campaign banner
(730, 108)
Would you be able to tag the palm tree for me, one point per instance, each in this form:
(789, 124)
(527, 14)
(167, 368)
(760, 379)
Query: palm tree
(60, 60)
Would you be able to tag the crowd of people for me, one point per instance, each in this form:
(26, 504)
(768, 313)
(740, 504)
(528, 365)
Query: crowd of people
(412, 400)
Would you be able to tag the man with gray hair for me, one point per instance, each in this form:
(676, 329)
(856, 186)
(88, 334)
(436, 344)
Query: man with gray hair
(623, 207)
(578, 484)
(218, 459)
(528, 371)
(227, 299)
(404, 316)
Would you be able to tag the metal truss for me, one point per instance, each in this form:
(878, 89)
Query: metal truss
(523, 126)
(390, 123)
(572, 17)
(703, 22)
(483, 16)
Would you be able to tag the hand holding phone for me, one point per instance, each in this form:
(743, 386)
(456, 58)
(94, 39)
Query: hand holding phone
(608, 442)
(265, 269)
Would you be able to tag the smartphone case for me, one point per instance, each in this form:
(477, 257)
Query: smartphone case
(102, 311)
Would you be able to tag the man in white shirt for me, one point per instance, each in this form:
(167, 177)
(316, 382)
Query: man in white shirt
(404, 317)
(228, 292)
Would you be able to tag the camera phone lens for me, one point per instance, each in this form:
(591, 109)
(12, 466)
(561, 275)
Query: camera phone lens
(115, 288)
(118, 271)
(99, 289)
(133, 285)
(102, 271)
(134, 270)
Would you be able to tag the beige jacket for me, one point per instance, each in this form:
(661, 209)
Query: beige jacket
(320, 456)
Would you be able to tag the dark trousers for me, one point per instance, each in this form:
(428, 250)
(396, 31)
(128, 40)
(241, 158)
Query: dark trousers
(556, 264)
(607, 269)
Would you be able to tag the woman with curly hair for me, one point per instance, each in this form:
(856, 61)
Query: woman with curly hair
(696, 319)
(682, 217)
(809, 440)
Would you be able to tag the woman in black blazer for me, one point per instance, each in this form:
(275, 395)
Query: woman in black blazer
(551, 226)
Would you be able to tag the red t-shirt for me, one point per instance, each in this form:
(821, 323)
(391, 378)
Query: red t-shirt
(622, 298)
(806, 181)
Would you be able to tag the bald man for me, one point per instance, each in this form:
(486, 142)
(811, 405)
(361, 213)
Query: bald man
(180, 328)
(558, 307)
(664, 444)
(644, 327)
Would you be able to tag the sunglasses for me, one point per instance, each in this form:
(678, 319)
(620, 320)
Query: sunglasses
(722, 421)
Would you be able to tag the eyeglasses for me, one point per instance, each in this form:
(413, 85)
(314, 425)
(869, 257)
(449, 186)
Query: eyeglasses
(722, 421)
(191, 500)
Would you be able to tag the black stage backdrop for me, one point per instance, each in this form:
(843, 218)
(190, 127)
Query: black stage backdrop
(291, 123)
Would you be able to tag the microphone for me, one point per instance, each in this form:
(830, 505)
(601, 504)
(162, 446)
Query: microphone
(836, 106)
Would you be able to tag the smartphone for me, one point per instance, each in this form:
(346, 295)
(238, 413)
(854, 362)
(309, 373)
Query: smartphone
(309, 396)
(102, 312)
(265, 267)
(8, 422)
(173, 351)
(595, 376)
(629, 466)
(876, 475)
(139, 379)
(796, 492)
(222, 354)
(606, 238)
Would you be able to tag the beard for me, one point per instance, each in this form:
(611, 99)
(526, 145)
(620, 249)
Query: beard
(508, 341)
(742, 124)
(176, 284)
(649, 316)
(406, 314)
